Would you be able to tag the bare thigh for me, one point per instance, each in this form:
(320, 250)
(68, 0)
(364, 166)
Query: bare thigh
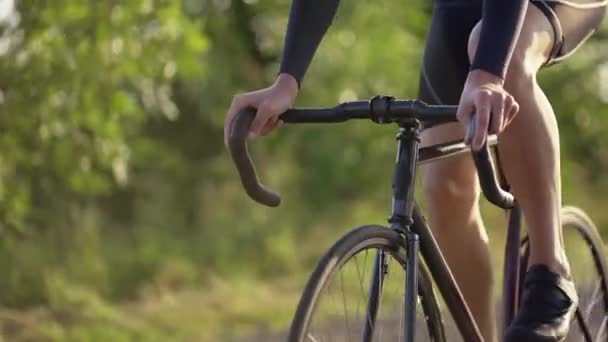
(444, 70)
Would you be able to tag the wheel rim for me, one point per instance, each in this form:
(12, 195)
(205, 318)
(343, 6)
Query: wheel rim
(591, 321)
(590, 324)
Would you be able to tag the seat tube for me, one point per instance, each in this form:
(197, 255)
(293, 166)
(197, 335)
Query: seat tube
(401, 216)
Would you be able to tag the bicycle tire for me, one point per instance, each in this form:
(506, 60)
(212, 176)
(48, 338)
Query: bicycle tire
(590, 331)
(359, 239)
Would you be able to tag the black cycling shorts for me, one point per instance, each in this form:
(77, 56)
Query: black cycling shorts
(446, 64)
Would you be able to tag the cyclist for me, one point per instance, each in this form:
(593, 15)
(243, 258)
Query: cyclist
(484, 56)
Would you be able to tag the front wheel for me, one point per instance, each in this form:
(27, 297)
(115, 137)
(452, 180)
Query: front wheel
(334, 305)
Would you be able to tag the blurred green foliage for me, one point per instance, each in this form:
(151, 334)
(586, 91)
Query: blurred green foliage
(114, 181)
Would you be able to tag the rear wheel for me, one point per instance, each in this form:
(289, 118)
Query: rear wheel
(333, 306)
(586, 254)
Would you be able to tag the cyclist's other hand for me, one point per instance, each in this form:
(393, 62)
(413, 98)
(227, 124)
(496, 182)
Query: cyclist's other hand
(270, 103)
(486, 101)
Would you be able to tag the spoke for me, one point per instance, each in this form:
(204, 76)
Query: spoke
(596, 294)
(327, 325)
(601, 332)
(360, 284)
(365, 261)
(345, 307)
(329, 329)
(311, 338)
(331, 336)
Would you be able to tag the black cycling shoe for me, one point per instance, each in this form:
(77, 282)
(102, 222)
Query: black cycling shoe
(548, 305)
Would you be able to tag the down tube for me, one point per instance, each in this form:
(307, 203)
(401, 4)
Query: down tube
(444, 279)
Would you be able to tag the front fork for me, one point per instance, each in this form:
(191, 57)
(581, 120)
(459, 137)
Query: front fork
(373, 301)
(411, 290)
(411, 287)
(400, 220)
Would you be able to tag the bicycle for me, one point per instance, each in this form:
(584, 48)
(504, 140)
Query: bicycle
(397, 248)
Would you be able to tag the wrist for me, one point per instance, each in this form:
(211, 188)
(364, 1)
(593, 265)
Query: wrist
(287, 82)
(480, 76)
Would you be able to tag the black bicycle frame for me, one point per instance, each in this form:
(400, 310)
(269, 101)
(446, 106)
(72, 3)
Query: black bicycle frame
(512, 271)
(406, 218)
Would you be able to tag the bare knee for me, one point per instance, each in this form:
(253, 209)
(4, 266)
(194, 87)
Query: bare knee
(530, 53)
(521, 73)
(451, 192)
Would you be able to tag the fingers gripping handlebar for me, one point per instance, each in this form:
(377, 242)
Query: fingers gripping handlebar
(263, 195)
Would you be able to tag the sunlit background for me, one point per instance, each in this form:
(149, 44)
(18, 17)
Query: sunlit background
(121, 216)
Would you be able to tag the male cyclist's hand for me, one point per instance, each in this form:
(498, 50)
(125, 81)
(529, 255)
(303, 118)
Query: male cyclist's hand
(270, 103)
(486, 101)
